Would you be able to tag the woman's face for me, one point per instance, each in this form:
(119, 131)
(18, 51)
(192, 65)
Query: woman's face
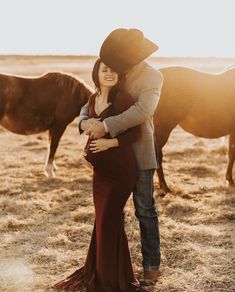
(107, 77)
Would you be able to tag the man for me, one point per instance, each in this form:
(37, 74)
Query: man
(124, 51)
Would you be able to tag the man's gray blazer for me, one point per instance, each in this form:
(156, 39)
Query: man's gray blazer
(144, 83)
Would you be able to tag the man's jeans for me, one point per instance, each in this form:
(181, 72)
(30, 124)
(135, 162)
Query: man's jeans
(148, 219)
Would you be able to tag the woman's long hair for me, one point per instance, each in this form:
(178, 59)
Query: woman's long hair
(114, 90)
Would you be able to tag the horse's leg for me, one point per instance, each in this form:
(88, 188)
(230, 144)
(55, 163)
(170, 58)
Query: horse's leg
(231, 158)
(2, 106)
(54, 166)
(161, 136)
(55, 134)
(172, 108)
(163, 126)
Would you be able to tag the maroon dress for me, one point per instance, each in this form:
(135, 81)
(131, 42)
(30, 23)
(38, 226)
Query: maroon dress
(108, 265)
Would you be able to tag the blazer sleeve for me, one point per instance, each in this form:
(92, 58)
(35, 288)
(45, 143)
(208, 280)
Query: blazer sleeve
(84, 114)
(142, 110)
(122, 103)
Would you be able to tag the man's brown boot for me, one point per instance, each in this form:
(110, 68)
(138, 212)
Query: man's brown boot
(151, 277)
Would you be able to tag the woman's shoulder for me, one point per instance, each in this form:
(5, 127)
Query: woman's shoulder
(122, 100)
(123, 97)
(92, 98)
(124, 94)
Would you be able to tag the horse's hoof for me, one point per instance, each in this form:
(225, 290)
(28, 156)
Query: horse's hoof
(49, 174)
(163, 191)
(231, 183)
(55, 167)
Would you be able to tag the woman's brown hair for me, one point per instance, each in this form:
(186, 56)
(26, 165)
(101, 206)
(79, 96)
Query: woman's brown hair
(114, 90)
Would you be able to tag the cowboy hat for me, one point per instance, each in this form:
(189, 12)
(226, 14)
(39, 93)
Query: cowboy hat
(124, 48)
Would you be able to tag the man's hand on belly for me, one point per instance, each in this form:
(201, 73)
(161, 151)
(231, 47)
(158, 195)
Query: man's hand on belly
(97, 130)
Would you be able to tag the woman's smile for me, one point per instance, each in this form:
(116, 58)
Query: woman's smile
(107, 77)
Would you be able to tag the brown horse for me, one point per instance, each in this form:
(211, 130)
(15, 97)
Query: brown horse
(202, 104)
(34, 105)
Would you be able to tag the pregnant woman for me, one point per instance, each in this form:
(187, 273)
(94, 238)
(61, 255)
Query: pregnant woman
(108, 266)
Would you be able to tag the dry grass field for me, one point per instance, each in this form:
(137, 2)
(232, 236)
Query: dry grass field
(46, 224)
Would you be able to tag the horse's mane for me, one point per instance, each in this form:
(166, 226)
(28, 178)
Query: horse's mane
(69, 82)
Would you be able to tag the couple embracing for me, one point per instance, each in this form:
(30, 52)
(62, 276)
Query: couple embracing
(121, 148)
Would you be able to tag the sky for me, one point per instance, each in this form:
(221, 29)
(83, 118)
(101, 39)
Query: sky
(201, 28)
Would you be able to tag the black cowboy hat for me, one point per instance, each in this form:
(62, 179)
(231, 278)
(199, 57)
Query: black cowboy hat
(124, 48)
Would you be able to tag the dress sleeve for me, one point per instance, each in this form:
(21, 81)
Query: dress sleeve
(122, 102)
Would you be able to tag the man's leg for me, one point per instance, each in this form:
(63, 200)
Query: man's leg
(148, 220)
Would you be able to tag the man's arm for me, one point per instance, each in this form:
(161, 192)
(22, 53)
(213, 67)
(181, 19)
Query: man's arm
(84, 112)
(83, 116)
(84, 122)
(142, 110)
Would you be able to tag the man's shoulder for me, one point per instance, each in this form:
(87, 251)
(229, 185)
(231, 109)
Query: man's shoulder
(151, 75)
(143, 76)
(151, 72)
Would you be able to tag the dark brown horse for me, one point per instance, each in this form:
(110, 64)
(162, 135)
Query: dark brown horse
(202, 104)
(34, 105)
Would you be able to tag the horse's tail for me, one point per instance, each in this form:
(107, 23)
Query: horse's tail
(2, 106)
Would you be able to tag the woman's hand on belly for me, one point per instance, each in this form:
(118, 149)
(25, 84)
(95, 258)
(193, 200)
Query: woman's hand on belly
(103, 144)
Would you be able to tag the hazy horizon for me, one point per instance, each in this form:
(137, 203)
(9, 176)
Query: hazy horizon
(94, 56)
